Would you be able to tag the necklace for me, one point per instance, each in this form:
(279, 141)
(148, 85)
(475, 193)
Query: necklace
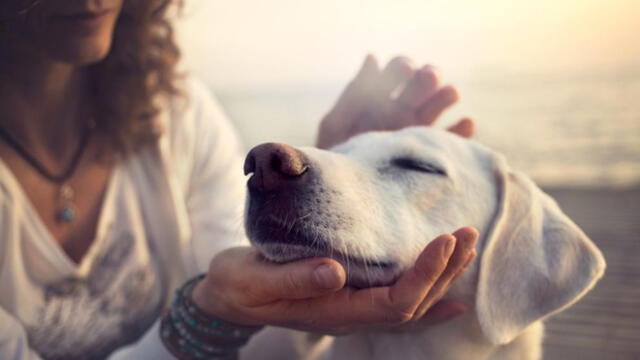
(67, 211)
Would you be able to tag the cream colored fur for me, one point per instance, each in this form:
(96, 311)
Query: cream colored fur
(533, 261)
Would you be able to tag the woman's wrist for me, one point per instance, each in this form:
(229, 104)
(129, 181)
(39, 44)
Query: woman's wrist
(208, 298)
(202, 297)
(190, 332)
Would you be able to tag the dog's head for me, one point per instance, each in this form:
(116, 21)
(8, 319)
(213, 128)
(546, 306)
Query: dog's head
(374, 202)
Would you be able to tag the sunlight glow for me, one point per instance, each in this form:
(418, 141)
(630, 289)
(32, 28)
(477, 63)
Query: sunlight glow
(258, 41)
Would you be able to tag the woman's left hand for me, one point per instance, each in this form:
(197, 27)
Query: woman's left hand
(310, 294)
(368, 104)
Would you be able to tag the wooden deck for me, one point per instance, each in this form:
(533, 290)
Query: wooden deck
(605, 324)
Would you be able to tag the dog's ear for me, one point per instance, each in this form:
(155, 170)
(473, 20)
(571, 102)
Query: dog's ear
(535, 261)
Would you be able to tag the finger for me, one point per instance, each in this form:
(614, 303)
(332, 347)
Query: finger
(398, 70)
(369, 66)
(395, 304)
(417, 282)
(420, 87)
(465, 127)
(466, 238)
(436, 104)
(442, 311)
(366, 76)
(401, 300)
(359, 87)
(295, 280)
(470, 259)
(465, 249)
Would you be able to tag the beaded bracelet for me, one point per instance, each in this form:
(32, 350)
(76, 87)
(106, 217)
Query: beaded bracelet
(189, 332)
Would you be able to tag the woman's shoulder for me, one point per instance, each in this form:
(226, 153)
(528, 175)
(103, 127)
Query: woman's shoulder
(193, 111)
(194, 118)
(196, 131)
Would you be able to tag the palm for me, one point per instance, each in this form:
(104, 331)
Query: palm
(369, 102)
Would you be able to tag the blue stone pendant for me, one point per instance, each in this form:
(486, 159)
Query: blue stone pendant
(68, 212)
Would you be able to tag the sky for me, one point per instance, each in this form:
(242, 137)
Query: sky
(253, 43)
(560, 78)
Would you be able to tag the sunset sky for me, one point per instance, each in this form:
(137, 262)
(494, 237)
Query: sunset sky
(258, 42)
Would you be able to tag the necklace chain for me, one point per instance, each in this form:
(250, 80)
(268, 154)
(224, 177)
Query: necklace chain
(31, 160)
(67, 213)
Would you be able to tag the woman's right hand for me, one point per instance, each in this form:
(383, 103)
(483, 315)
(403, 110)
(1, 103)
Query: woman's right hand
(243, 288)
(368, 102)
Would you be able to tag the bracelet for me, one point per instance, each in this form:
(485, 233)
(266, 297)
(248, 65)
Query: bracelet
(188, 332)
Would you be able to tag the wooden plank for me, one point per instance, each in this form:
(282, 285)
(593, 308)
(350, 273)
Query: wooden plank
(606, 323)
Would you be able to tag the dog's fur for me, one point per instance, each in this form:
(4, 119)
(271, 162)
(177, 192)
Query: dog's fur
(377, 200)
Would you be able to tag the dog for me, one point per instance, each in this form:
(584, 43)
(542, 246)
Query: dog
(374, 202)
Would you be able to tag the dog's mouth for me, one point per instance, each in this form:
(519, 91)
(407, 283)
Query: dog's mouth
(282, 242)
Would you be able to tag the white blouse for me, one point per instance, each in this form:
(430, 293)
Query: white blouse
(168, 209)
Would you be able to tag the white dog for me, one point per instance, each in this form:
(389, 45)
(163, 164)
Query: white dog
(374, 202)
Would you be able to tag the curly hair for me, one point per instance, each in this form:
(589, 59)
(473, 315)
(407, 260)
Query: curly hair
(139, 68)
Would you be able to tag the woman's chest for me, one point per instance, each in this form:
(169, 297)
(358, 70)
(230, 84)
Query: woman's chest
(68, 210)
(108, 299)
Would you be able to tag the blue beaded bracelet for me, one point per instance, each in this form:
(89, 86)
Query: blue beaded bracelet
(190, 333)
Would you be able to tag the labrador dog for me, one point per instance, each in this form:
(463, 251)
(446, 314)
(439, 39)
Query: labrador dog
(374, 202)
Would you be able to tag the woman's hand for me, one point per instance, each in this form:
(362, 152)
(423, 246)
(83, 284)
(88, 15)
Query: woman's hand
(243, 288)
(368, 104)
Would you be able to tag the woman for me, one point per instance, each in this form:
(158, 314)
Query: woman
(119, 181)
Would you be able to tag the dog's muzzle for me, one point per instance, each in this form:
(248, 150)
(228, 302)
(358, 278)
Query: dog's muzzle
(281, 191)
(289, 214)
(276, 168)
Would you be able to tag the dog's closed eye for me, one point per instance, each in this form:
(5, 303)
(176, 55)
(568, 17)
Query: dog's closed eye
(413, 164)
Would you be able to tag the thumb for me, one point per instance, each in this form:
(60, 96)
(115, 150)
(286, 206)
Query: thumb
(301, 279)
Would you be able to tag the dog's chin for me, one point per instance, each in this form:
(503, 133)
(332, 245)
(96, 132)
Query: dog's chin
(361, 273)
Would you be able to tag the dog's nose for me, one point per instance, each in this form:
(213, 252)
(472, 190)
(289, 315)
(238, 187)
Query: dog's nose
(275, 166)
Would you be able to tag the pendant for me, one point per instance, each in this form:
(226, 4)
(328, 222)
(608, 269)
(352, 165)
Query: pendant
(68, 212)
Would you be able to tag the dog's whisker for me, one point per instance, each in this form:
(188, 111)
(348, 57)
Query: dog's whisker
(304, 216)
(368, 275)
(348, 259)
(331, 252)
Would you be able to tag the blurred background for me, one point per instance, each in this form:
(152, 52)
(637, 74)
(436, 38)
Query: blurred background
(555, 85)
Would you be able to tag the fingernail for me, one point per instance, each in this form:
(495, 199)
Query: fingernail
(473, 236)
(326, 277)
(449, 246)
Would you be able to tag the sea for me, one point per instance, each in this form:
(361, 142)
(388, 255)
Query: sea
(564, 129)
